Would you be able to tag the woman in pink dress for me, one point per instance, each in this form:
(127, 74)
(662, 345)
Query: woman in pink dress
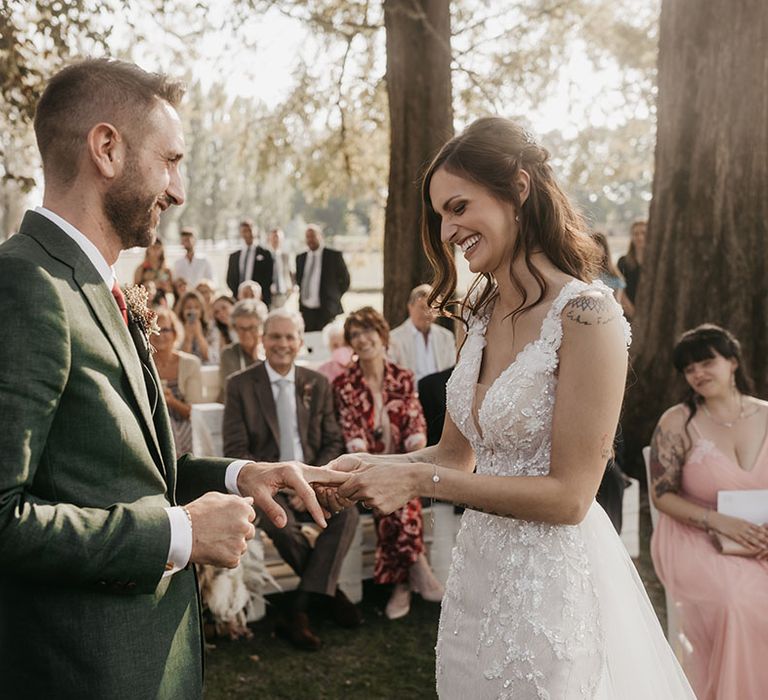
(715, 440)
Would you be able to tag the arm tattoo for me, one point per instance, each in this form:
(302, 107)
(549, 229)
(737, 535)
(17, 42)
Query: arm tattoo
(606, 447)
(590, 310)
(667, 458)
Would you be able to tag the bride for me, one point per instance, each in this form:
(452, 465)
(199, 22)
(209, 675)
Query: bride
(542, 600)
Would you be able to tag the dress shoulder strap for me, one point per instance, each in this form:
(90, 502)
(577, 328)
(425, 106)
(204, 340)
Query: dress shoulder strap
(552, 328)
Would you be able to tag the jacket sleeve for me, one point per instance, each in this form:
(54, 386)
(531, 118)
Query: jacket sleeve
(234, 427)
(43, 540)
(190, 379)
(332, 439)
(343, 274)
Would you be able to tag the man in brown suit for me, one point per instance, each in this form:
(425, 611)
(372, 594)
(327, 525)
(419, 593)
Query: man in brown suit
(276, 411)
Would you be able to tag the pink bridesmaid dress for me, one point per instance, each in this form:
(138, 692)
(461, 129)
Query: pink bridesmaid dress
(722, 600)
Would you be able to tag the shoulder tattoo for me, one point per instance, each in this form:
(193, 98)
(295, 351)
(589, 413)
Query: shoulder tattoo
(590, 310)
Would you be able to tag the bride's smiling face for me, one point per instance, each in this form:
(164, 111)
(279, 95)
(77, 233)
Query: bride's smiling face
(483, 226)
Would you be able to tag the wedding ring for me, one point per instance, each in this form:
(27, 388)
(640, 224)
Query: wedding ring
(365, 505)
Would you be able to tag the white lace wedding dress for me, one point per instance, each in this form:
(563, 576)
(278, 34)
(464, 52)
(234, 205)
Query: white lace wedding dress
(531, 610)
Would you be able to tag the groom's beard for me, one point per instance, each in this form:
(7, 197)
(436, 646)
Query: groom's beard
(130, 211)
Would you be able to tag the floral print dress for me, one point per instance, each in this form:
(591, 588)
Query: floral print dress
(396, 428)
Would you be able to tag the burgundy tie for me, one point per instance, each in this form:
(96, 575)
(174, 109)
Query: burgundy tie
(120, 299)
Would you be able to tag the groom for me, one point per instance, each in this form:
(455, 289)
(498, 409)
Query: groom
(99, 522)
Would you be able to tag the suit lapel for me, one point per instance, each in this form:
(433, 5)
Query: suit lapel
(302, 411)
(99, 298)
(266, 401)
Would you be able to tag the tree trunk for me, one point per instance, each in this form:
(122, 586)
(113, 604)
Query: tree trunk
(421, 120)
(707, 248)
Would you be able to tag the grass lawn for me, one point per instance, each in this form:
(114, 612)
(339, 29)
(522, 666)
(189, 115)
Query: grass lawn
(381, 659)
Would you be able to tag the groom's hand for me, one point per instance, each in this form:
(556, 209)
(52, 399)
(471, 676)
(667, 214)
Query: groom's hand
(221, 527)
(262, 481)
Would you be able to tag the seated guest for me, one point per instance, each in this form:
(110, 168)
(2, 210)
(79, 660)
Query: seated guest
(180, 375)
(179, 290)
(432, 396)
(199, 338)
(207, 290)
(278, 411)
(246, 320)
(380, 413)
(249, 290)
(222, 308)
(341, 353)
(714, 440)
(419, 344)
(608, 273)
(154, 269)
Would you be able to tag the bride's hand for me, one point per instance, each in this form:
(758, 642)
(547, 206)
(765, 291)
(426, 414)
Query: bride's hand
(328, 496)
(383, 487)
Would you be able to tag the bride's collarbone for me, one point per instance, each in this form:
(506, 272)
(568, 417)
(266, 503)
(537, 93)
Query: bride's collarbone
(504, 343)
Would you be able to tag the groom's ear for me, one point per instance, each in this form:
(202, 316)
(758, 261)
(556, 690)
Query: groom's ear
(106, 150)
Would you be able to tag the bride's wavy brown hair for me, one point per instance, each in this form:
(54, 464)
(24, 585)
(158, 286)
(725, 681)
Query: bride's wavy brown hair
(491, 152)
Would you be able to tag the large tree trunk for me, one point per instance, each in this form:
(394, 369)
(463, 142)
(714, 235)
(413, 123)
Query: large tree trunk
(421, 120)
(706, 256)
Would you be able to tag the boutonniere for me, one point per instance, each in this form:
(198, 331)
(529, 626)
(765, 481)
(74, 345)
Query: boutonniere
(137, 302)
(306, 395)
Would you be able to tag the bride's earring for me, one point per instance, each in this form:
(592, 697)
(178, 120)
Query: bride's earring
(517, 218)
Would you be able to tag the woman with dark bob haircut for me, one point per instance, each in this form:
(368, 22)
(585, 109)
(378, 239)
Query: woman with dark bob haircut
(714, 440)
(379, 412)
(542, 599)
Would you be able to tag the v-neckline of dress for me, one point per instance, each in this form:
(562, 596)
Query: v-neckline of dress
(477, 409)
(728, 458)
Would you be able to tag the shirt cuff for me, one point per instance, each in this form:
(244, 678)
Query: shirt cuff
(230, 477)
(181, 540)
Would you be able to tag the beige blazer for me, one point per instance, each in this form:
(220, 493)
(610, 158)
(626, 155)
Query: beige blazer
(190, 379)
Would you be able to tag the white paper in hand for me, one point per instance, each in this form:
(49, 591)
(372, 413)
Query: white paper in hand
(749, 505)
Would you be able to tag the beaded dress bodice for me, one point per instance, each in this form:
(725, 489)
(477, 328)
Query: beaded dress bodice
(519, 603)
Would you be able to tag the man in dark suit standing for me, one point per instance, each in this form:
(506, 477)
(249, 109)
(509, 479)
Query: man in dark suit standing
(98, 518)
(323, 278)
(251, 262)
(278, 411)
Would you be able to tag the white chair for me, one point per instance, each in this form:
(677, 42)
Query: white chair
(206, 419)
(673, 633)
(211, 382)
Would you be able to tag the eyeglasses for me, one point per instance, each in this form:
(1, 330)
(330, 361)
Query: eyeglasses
(246, 329)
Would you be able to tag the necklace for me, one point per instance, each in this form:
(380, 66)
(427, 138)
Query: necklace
(727, 424)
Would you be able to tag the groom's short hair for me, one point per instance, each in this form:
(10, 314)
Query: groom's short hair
(88, 92)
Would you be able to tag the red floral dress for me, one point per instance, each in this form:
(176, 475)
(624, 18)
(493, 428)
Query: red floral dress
(400, 534)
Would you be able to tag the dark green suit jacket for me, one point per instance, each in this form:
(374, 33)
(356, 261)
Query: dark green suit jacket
(87, 466)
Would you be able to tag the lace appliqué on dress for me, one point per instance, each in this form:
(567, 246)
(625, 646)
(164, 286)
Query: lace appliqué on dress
(519, 602)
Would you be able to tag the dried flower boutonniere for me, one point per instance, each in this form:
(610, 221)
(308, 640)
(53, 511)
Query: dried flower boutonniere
(306, 395)
(137, 302)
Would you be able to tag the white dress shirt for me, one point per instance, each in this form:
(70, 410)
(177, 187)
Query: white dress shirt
(425, 352)
(199, 268)
(310, 284)
(274, 378)
(180, 548)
